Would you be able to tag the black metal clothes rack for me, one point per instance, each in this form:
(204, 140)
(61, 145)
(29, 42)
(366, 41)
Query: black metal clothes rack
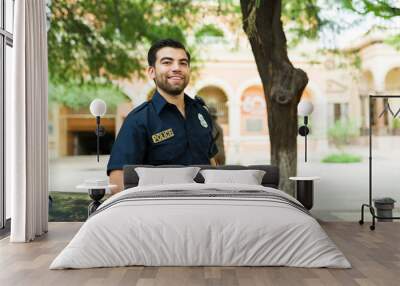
(369, 205)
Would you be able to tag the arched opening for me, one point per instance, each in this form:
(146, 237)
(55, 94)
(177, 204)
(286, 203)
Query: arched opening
(215, 97)
(253, 112)
(392, 80)
(392, 86)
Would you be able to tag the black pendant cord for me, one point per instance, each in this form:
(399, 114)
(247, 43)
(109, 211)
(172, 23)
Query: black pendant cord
(305, 137)
(98, 147)
(305, 144)
(98, 136)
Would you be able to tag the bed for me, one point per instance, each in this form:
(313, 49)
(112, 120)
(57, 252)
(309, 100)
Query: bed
(201, 224)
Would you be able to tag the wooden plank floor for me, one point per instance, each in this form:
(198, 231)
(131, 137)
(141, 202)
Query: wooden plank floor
(374, 255)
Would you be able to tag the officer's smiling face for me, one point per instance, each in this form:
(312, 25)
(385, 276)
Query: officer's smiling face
(171, 71)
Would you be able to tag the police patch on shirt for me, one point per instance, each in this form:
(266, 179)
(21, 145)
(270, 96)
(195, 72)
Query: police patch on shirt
(162, 136)
(203, 122)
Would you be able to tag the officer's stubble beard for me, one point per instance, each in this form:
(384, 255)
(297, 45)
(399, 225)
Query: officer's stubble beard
(161, 81)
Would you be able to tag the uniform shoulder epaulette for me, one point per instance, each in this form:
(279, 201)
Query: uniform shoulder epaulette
(201, 101)
(140, 107)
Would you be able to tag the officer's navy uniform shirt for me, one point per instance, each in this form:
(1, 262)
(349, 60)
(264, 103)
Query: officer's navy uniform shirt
(156, 133)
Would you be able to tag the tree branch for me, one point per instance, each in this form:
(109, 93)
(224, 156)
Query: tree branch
(117, 15)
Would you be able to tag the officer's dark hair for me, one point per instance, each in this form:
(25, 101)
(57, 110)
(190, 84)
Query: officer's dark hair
(151, 56)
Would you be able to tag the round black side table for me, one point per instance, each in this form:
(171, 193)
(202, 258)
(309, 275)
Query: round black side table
(96, 193)
(305, 190)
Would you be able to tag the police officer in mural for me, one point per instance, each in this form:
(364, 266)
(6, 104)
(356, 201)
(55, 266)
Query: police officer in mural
(171, 128)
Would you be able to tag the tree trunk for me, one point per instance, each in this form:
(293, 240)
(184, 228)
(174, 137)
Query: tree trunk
(283, 84)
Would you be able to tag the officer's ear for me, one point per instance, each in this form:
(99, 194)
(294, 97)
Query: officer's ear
(151, 72)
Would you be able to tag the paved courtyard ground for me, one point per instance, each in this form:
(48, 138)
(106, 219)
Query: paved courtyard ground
(338, 195)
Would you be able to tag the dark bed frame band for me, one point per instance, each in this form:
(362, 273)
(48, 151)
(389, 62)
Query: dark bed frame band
(270, 179)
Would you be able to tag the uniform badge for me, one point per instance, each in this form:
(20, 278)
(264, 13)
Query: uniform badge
(162, 136)
(203, 122)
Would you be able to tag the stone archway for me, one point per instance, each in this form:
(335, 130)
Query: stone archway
(253, 112)
(392, 82)
(392, 86)
(217, 98)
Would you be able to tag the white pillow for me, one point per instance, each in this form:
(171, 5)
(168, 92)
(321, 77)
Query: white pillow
(163, 176)
(248, 177)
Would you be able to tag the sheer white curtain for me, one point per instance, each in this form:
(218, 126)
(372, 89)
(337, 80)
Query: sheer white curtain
(26, 124)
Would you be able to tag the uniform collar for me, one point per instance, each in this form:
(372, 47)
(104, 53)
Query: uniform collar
(159, 102)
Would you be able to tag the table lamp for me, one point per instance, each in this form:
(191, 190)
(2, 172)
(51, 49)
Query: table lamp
(98, 108)
(305, 108)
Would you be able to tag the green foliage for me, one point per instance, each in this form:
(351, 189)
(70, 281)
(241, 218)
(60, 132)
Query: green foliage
(394, 41)
(342, 158)
(302, 19)
(311, 19)
(69, 206)
(386, 9)
(77, 96)
(93, 43)
(104, 40)
(342, 132)
(396, 123)
(209, 30)
(380, 8)
(357, 61)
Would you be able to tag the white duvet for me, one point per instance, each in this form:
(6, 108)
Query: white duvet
(185, 231)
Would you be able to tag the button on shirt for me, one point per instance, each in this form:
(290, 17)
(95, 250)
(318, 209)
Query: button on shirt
(156, 133)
